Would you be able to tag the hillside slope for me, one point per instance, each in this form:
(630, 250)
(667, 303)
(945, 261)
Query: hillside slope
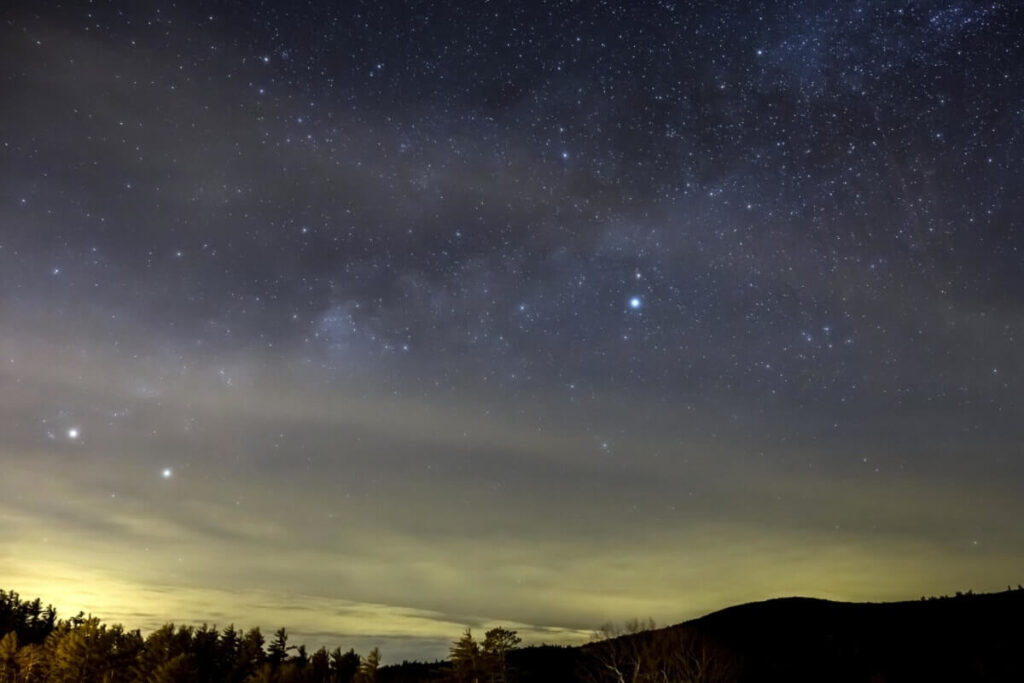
(966, 638)
(969, 638)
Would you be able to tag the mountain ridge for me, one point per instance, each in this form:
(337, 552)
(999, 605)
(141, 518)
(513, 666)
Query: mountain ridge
(964, 638)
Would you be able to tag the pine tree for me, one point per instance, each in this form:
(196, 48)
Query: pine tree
(344, 667)
(228, 645)
(465, 657)
(278, 649)
(82, 652)
(250, 654)
(498, 642)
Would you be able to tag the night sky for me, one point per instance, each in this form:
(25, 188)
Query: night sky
(376, 320)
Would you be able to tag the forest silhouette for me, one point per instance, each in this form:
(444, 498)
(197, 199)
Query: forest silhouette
(967, 637)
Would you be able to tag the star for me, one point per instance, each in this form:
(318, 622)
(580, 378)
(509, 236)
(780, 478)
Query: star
(827, 250)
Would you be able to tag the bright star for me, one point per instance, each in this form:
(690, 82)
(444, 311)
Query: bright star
(167, 473)
(73, 433)
(635, 303)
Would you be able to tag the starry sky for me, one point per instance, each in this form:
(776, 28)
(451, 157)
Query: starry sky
(380, 319)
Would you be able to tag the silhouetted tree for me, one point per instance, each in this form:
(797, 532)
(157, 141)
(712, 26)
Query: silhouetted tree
(368, 669)
(160, 647)
(344, 667)
(228, 646)
(82, 649)
(465, 658)
(82, 652)
(250, 655)
(498, 642)
(30, 620)
(206, 653)
(320, 666)
(277, 651)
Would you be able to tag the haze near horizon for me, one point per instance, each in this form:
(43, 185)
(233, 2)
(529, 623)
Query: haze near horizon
(382, 320)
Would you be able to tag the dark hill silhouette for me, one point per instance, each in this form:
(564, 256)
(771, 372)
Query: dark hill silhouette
(963, 638)
(968, 638)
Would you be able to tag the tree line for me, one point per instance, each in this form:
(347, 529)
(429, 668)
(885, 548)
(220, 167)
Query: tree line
(36, 646)
(473, 662)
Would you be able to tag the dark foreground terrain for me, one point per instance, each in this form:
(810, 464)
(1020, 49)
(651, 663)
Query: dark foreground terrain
(963, 638)
(967, 638)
